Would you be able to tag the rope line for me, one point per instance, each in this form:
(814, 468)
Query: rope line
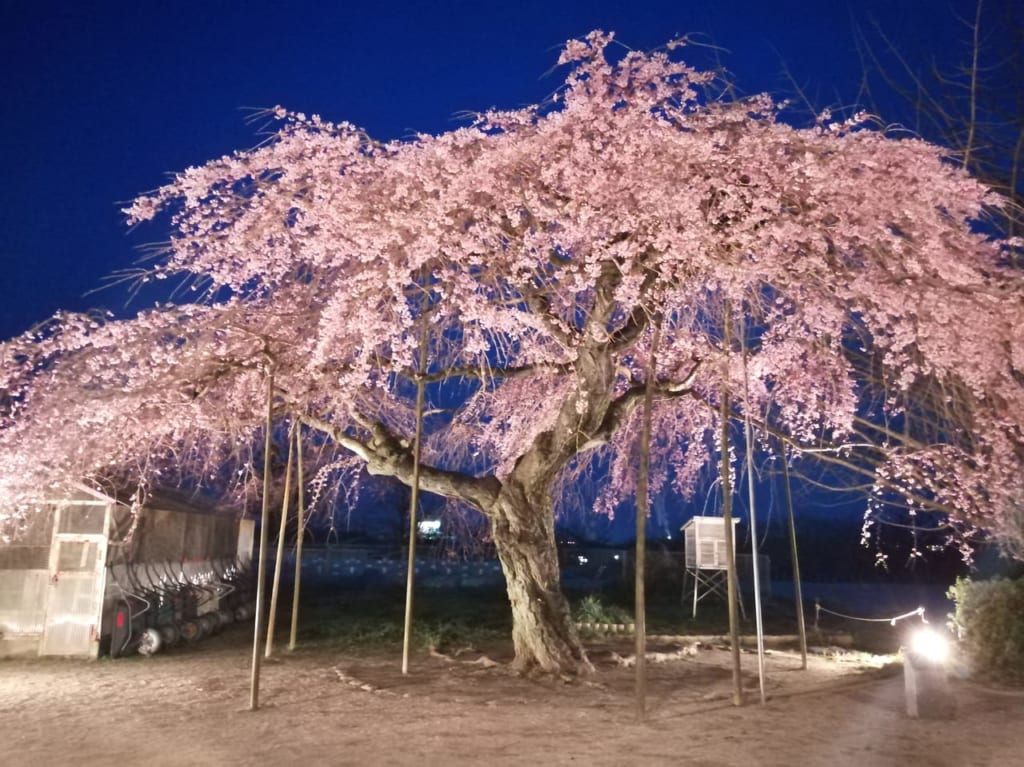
(818, 610)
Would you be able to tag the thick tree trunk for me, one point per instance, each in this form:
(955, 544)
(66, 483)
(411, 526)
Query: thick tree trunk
(523, 528)
(543, 633)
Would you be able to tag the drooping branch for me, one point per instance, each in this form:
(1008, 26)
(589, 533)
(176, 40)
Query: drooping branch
(833, 454)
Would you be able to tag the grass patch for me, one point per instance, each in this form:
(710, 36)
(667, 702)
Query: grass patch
(375, 619)
(667, 613)
(453, 618)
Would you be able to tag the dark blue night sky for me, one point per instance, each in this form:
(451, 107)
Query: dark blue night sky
(101, 100)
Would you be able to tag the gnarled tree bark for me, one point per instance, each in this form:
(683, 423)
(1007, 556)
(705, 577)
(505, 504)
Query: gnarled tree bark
(543, 634)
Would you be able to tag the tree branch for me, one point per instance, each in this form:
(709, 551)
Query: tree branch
(623, 406)
(832, 456)
(385, 455)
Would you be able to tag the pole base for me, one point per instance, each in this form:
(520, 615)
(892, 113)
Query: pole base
(926, 686)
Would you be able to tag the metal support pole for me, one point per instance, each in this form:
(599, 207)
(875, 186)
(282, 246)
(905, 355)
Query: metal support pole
(730, 544)
(696, 584)
(749, 438)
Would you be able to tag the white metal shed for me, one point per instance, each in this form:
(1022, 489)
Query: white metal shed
(58, 576)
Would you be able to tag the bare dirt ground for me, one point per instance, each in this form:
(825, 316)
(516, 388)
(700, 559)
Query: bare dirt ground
(325, 706)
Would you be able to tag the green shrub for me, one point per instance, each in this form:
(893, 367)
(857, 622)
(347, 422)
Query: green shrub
(592, 610)
(989, 620)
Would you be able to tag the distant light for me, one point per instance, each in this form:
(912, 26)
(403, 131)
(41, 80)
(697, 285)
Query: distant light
(616, 557)
(429, 528)
(670, 536)
(582, 559)
(929, 644)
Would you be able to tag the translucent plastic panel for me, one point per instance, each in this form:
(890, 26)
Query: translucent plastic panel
(72, 614)
(22, 601)
(82, 519)
(77, 556)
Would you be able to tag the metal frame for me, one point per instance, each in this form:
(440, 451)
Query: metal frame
(51, 643)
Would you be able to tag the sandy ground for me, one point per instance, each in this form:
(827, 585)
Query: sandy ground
(324, 706)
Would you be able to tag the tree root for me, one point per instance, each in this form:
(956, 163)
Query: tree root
(686, 651)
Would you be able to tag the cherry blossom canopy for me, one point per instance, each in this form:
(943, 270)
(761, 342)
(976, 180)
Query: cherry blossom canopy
(535, 248)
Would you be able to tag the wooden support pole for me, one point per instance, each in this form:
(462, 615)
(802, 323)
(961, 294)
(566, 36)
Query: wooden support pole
(642, 508)
(279, 562)
(414, 500)
(261, 570)
(797, 592)
(299, 536)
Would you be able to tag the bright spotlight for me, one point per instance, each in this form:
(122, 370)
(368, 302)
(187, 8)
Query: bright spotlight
(929, 645)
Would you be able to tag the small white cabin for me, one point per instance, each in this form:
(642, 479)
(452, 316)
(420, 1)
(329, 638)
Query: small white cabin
(704, 539)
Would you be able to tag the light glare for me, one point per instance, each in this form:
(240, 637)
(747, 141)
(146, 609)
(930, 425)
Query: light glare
(929, 644)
